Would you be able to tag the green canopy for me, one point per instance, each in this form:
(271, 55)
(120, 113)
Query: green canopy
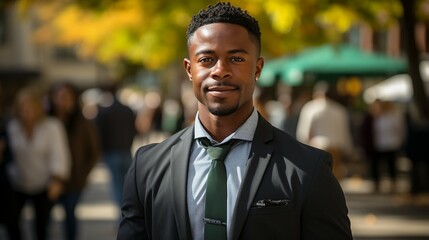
(329, 62)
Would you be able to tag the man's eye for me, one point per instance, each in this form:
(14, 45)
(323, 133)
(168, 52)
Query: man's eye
(205, 59)
(237, 59)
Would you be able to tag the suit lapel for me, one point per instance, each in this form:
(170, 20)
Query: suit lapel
(179, 172)
(260, 155)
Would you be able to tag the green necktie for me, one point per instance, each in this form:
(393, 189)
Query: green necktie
(216, 195)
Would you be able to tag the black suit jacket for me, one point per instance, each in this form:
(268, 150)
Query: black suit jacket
(312, 207)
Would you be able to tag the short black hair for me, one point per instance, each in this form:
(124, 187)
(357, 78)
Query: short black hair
(224, 12)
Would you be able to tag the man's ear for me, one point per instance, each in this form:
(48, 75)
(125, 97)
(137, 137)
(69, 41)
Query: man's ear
(187, 65)
(259, 67)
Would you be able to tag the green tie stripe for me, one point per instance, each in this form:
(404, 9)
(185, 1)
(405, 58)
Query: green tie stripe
(216, 192)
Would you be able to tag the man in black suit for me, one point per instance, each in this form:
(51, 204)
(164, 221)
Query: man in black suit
(277, 188)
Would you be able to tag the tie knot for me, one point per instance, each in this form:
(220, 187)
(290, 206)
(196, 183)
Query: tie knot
(217, 152)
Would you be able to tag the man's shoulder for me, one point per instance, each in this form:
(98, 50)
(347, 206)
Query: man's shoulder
(154, 160)
(296, 151)
(288, 141)
(163, 147)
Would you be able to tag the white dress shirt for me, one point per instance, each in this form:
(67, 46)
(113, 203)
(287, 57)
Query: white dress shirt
(199, 166)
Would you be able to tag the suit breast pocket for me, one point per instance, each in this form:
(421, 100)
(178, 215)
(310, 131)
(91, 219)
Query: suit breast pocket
(272, 222)
(268, 206)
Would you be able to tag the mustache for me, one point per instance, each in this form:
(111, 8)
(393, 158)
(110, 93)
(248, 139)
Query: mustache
(219, 84)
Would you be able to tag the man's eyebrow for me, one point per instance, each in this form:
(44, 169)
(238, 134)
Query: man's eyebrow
(238, 51)
(233, 51)
(204, 51)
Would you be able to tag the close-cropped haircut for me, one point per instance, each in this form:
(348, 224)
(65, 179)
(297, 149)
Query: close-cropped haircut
(223, 12)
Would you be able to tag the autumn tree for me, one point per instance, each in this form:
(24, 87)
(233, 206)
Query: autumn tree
(150, 33)
(413, 56)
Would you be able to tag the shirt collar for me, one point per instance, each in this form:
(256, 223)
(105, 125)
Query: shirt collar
(244, 132)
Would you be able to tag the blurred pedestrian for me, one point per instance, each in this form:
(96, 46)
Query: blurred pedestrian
(84, 147)
(383, 135)
(116, 123)
(324, 123)
(389, 136)
(294, 110)
(41, 162)
(367, 135)
(149, 120)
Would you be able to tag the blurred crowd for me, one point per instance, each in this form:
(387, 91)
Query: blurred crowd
(381, 135)
(48, 149)
(51, 140)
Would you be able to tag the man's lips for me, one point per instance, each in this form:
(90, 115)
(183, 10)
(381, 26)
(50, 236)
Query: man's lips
(220, 91)
(221, 88)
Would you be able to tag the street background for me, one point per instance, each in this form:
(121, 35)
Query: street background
(373, 216)
(140, 45)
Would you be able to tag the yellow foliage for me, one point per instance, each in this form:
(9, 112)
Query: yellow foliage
(338, 17)
(76, 25)
(23, 6)
(180, 16)
(152, 32)
(125, 30)
(283, 14)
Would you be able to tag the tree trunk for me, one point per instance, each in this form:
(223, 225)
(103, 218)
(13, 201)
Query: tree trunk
(408, 26)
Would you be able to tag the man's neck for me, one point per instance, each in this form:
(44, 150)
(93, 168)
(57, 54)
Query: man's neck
(220, 127)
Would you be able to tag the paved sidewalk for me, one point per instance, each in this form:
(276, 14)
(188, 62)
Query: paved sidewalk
(385, 215)
(96, 211)
(373, 216)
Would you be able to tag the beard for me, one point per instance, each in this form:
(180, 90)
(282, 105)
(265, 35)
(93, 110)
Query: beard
(223, 111)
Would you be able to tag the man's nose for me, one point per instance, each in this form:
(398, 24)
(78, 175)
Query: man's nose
(221, 70)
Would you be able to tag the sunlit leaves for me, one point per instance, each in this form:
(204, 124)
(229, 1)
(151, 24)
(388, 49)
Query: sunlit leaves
(151, 33)
(105, 34)
(283, 14)
(339, 17)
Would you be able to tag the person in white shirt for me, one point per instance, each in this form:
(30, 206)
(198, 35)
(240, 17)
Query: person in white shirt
(388, 137)
(40, 165)
(324, 123)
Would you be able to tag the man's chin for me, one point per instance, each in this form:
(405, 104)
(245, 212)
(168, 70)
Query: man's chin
(221, 112)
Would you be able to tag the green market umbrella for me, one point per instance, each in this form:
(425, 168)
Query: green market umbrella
(329, 62)
(271, 71)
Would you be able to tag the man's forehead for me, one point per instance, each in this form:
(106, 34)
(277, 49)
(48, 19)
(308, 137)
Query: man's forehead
(219, 31)
(220, 25)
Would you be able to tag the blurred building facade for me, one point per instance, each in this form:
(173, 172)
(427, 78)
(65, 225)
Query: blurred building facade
(23, 61)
